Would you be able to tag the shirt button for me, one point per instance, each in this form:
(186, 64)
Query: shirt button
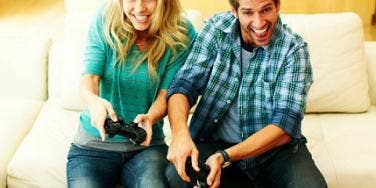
(201, 139)
(216, 121)
(228, 101)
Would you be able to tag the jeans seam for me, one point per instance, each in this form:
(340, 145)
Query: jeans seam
(132, 174)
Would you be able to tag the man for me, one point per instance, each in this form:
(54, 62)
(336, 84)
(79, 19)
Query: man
(253, 74)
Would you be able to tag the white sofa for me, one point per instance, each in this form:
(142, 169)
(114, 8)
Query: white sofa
(40, 105)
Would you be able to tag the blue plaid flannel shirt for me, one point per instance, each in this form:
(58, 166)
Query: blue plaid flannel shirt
(273, 89)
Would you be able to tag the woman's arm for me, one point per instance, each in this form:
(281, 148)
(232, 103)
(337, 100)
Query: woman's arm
(98, 107)
(155, 113)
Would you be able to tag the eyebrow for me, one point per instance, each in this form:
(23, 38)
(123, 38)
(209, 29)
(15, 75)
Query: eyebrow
(248, 9)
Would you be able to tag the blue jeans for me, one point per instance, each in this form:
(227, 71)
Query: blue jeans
(291, 167)
(98, 168)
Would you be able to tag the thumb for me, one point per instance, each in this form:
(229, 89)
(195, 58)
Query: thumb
(139, 118)
(102, 133)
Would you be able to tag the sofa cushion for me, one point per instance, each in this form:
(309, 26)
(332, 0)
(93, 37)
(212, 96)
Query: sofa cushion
(16, 118)
(342, 147)
(41, 158)
(75, 35)
(24, 66)
(371, 60)
(337, 53)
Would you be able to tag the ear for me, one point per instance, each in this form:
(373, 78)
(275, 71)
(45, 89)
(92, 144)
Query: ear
(234, 12)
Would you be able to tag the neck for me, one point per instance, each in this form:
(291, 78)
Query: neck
(142, 41)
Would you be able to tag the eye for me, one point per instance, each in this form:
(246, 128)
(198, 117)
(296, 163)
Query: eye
(266, 10)
(248, 13)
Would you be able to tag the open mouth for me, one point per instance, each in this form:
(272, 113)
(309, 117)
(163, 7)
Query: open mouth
(141, 19)
(261, 34)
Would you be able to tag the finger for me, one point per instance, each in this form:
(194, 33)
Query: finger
(217, 179)
(102, 132)
(212, 174)
(138, 119)
(169, 155)
(181, 169)
(110, 111)
(148, 139)
(194, 158)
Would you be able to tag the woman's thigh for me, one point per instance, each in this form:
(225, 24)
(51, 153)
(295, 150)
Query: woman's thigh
(146, 168)
(92, 168)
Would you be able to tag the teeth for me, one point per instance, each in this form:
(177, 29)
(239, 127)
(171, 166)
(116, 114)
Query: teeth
(257, 31)
(141, 18)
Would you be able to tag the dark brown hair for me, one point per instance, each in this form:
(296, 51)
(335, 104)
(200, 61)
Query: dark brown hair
(235, 3)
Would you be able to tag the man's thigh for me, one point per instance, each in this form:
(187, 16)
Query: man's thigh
(292, 167)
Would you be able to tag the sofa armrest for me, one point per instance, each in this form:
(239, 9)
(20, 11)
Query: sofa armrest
(370, 47)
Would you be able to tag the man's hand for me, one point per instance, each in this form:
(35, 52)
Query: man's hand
(144, 121)
(99, 108)
(180, 149)
(215, 163)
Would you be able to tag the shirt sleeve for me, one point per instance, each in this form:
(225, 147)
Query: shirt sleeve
(192, 78)
(173, 68)
(95, 56)
(291, 91)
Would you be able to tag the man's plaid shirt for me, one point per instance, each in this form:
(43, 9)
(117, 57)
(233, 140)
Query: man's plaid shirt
(272, 90)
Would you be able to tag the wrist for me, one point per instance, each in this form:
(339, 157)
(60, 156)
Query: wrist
(152, 119)
(181, 133)
(224, 158)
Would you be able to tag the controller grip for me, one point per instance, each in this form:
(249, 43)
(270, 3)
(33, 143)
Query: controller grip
(197, 178)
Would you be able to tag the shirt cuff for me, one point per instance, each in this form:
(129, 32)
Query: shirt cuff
(184, 88)
(287, 120)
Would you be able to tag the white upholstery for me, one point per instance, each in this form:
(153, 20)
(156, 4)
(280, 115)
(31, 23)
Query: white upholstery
(40, 159)
(16, 118)
(341, 143)
(341, 146)
(371, 59)
(75, 35)
(23, 63)
(340, 77)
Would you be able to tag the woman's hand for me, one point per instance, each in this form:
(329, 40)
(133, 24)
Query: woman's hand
(145, 121)
(99, 109)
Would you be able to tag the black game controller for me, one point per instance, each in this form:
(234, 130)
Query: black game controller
(197, 178)
(131, 130)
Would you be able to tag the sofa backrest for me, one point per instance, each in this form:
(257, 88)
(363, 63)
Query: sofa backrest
(23, 63)
(336, 47)
(371, 61)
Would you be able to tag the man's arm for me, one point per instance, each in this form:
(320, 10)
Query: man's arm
(285, 121)
(182, 145)
(188, 84)
(264, 140)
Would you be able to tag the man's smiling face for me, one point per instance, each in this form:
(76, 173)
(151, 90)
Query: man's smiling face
(258, 19)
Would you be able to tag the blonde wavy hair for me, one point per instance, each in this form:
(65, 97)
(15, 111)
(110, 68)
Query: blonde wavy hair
(167, 30)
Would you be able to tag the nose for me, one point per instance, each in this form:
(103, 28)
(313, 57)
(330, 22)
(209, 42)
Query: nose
(139, 7)
(258, 21)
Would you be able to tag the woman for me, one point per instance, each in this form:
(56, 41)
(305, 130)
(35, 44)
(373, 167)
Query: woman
(134, 49)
